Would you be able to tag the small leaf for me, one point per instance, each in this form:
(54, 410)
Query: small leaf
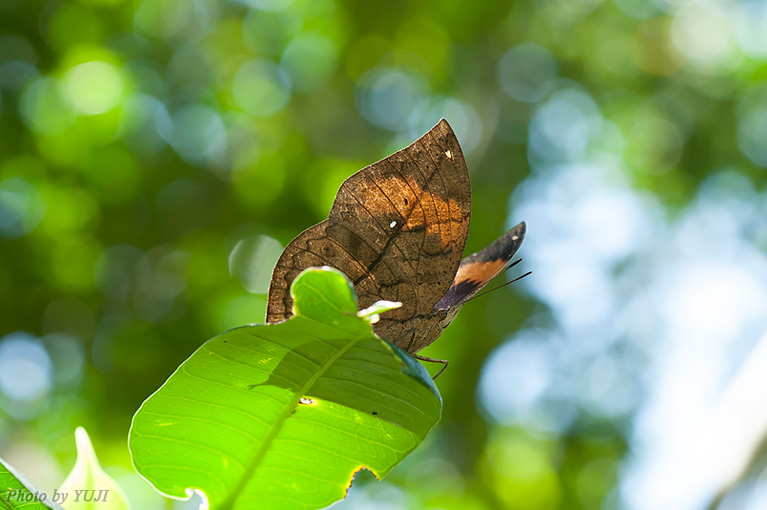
(16, 492)
(88, 487)
(283, 415)
(371, 312)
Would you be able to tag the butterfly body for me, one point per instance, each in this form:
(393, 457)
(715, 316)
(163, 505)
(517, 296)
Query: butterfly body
(397, 229)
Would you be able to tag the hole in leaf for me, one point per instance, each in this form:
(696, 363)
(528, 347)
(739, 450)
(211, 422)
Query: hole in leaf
(361, 474)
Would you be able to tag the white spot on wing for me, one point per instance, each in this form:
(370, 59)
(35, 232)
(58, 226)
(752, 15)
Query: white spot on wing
(393, 224)
(449, 154)
(514, 238)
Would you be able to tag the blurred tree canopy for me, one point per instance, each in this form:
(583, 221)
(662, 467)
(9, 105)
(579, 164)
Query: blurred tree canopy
(156, 154)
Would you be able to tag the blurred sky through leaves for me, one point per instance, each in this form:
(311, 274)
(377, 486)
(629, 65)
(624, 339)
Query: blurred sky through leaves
(157, 154)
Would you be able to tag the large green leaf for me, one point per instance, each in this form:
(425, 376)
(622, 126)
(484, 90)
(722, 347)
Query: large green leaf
(282, 416)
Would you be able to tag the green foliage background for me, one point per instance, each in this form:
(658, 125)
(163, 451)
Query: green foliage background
(151, 152)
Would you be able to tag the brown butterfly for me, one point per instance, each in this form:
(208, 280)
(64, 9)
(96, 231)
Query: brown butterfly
(397, 229)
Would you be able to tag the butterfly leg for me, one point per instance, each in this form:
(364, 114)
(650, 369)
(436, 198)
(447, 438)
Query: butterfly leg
(433, 360)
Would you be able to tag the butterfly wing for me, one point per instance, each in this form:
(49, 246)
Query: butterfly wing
(397, 229)
(478, 269)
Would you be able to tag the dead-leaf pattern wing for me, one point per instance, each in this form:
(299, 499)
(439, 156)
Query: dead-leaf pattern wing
(397, 229)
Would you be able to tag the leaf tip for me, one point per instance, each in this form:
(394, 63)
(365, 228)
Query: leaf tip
(88, 475)
(318, 289)
(85, 448)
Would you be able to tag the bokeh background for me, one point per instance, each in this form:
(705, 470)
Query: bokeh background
(155, 155)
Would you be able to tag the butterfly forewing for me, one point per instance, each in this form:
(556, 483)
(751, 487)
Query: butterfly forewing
(397, 229)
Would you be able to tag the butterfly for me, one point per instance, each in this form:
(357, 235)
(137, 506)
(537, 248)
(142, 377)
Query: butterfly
(397, 229)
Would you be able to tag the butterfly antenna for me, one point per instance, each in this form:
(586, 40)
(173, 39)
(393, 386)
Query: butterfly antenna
(500, 286)
(512, 265)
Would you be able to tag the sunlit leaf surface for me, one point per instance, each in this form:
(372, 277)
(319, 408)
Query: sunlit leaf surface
(282, 416)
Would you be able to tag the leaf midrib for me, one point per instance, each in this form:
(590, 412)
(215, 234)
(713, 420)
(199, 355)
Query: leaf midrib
(289, 407)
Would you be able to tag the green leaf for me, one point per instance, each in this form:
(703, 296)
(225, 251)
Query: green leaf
(16, 492)
(282, 415)
(88, 487)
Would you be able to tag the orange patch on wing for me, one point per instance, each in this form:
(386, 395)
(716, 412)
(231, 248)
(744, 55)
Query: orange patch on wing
(448, 228)
(480, 272)
(448, 212)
